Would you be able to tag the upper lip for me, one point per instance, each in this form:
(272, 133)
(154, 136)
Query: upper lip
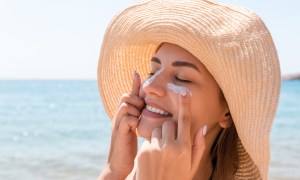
(156, 106)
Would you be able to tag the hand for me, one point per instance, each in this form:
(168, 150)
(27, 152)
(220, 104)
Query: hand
(170, 157)
(123, 147)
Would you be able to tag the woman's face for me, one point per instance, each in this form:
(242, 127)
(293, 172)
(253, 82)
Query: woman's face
(180, 68)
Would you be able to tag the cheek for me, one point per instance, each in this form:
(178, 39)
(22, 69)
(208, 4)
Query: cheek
(205, 110)
(198, 113)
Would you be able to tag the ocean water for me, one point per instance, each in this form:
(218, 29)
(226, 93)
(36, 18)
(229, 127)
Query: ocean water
(285, 134)
(59, 130)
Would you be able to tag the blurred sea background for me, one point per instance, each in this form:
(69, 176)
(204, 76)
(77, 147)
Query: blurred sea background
(59, 130)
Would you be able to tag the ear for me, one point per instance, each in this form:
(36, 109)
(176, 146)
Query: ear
(225, 120)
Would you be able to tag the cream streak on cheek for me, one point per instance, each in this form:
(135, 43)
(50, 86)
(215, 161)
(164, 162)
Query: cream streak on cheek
(150, 80)
(179, 89)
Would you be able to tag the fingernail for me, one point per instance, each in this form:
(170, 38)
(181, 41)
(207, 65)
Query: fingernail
(190, 92)
(137, 75)
(133, 74)
(183, 92)
(204, 130)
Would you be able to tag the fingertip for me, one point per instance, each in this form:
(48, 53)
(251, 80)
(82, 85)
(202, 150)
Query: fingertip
(200, 135)
(183, 92)
(136, 83)
(204, 130)
(138, 75)
(197, 136)
(133, 74)
(184, 97)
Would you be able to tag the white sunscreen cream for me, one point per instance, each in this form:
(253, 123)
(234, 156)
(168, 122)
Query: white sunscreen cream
(179, 89)
(150, 80)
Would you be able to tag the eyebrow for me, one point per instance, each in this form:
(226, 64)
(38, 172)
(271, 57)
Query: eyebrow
(177, 63)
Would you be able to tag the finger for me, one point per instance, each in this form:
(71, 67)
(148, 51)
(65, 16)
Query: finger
(125, 110)
(168, 131)
(133, 100)
(198, 148)
(184, 119)
(156, 136)
(127, 124)
(136, 84)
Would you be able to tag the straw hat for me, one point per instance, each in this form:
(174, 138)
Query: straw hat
(234, 45)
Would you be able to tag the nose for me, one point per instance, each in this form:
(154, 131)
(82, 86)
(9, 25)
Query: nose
(156, 85)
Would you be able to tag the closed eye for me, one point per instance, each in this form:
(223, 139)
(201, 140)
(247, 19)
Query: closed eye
(176, 78)
(182, 80)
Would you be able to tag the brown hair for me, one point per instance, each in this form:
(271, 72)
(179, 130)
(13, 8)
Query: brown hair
(224, 154)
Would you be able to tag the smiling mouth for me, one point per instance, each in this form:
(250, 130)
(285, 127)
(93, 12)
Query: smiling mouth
(155, 112)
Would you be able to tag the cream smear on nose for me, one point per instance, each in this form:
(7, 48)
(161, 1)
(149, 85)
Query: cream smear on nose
(179, 89)
(150, 80)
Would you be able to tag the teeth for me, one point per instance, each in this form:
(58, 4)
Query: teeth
(155, 110)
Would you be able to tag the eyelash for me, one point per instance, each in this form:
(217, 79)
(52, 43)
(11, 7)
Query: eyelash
(176, 78)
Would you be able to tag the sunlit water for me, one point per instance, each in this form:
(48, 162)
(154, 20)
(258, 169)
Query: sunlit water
(59, 130)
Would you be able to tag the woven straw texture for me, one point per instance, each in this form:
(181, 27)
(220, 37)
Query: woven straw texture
(234, 45)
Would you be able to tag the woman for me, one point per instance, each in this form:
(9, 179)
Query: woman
(207, 105)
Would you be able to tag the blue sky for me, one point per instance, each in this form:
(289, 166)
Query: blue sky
(61, 39)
